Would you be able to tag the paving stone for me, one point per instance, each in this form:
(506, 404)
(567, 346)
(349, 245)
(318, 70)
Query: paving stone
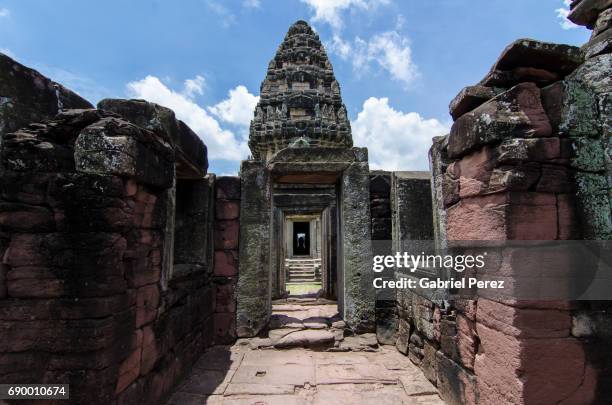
(351, 394)
(416, 384)
(207, 382)
(309, 338)
(288, 374)
(219, 358)
(275, 357)
(186, 398)
(259, 389)
(353, 373)
(265, 399)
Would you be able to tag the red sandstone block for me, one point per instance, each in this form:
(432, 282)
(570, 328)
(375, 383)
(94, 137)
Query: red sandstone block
(150, 352)
(226, 234)
(126, 379)
(147, 302)
(226, 263)
(533, 216)
(554, 370)
(21, 217)
(25, 250)
(569, 227)
(497, 366)
(523, 322)
(467, 341)
(225, 328)
(35, 288)
(228, 188)
(227, 209)
(478, 218)
(132, 362)
(225, 298)
(477, 165)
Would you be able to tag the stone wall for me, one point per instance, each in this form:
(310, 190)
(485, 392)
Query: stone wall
(26, 96)
(227, 214)
(89, 292)
(526, 159)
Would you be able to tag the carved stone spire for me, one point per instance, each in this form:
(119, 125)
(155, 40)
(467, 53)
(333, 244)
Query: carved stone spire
(300, 99)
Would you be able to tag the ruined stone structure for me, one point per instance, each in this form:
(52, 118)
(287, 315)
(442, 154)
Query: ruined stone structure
(527, 158)
(303, 164)
(123, 259)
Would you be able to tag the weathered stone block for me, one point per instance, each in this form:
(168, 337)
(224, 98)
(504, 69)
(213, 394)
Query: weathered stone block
(456, 385)
(189, 148)
(585, 12)
(225, 328)
(225, 298)
(254, 306)
(113, 146)
(536, 55)
(226, 234)
(147, 302)
(226, 263)
(227, 209)
(359, 299)
(522, 216)
(228, 188)
(469, 98)
(29, 96)
(516, 113)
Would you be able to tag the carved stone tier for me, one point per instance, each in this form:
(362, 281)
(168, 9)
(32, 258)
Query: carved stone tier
(300, 103)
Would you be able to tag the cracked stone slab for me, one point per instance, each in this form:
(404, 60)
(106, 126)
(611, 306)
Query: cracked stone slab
(288, 374)
(259, 389)
(278, 358)
(416, 384)
(345, 358)
(353, 374)
(265, 399)
(366, 394)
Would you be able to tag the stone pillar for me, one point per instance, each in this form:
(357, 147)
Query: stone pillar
(358, 294)
(254, 283)
(227, 213)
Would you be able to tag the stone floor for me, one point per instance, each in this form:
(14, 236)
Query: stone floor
(240, 375)
(247, 374)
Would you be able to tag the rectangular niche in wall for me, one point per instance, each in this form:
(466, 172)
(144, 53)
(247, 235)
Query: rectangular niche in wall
(192, 225)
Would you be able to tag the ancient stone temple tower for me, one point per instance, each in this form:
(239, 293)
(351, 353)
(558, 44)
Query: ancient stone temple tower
(305, 193)
(300, 100)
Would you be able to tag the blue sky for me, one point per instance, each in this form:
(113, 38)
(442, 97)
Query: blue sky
(399, 62)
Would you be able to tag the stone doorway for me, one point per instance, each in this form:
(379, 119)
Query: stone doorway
(303, 266)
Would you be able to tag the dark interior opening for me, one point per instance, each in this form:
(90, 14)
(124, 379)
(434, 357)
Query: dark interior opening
(301, 238)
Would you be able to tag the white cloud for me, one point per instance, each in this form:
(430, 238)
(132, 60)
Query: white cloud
(4, 12)
(388, 50)
(194, 86)
(251, 3)
(237, 108)
(329, 11)
(395, 140)
(562, 14)
(221, 143)
(226, 17)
